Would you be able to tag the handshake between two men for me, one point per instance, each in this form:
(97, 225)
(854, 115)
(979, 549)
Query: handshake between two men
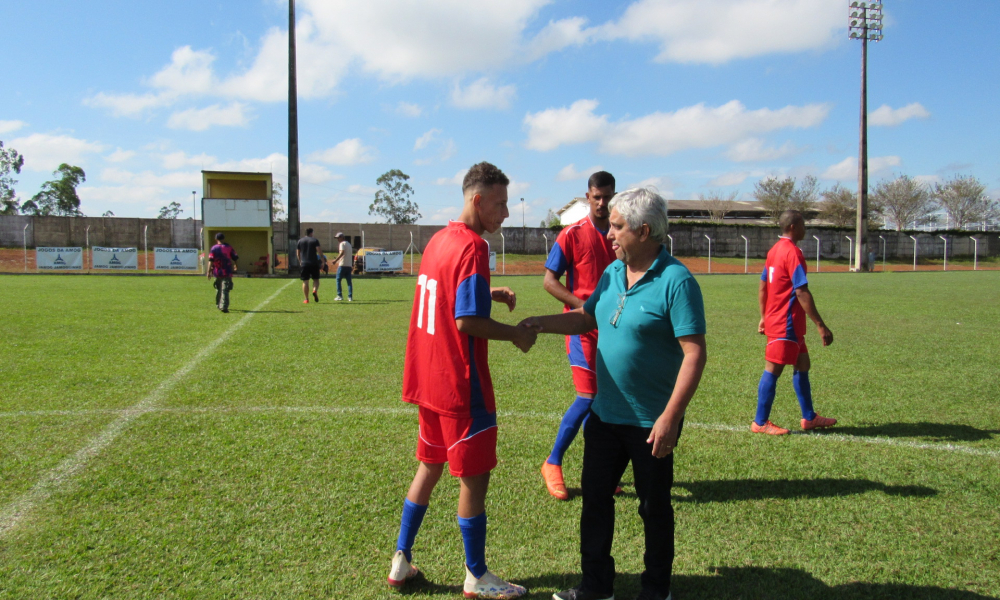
(526, 332)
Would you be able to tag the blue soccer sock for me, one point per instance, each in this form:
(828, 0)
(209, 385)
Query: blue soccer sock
(474, 537)
(569, 427)
(765, 396)
(800, 380)
(413, 516)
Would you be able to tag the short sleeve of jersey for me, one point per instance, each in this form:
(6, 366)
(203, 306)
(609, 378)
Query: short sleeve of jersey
(687, 309)
(590, 306)
(797, 267)
(472, 297)
(556, 262)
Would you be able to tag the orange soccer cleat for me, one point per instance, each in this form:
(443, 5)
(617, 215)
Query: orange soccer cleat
(552, 474)
(818, 422)
(768, 428)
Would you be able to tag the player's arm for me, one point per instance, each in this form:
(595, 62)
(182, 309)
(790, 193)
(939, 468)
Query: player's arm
(762, 300)
(559, 291)
(805, 298)
(663, 436)
(487, 328)
(574, 322)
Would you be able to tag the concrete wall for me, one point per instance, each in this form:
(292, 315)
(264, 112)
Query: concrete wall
(689, 240)
(103, 231)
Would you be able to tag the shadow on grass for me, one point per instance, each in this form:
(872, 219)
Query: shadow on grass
(749, 583)
(940, 432)
(786, 489)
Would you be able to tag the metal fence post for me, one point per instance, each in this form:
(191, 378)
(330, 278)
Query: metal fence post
(975, 253)
(945, 252)
(709, 252)
(145, 247)
(850, 252)
(884, 244)
(817, 252)
(671, 238)
(25, 235)
(746, 254)
(503, 251)
(914, 252)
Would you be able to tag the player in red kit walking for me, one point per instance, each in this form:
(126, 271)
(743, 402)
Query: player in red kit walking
(582, 252)
(785, 300)
(447, 375)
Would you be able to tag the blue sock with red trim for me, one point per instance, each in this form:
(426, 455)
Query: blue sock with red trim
(803, 390)
(575, 415)
(765, 396)
(474, 538)
(413, 516)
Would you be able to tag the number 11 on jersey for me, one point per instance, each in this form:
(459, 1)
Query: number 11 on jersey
(430, 287)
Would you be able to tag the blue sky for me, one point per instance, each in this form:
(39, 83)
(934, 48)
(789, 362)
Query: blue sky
(689, 95)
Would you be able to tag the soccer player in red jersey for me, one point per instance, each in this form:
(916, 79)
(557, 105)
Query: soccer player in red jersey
(582, 251)
(447, 375)
(785, 300)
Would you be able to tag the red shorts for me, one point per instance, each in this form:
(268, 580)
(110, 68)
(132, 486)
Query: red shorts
(582, 352)
(468, 445)
(781, 351)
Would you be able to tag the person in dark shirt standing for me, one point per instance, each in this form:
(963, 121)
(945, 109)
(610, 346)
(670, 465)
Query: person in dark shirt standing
(308, 254)
(222, 259)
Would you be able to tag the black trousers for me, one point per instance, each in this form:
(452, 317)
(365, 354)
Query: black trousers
(607, 451)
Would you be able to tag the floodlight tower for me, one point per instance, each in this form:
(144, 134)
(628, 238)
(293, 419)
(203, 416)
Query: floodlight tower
(293, 146)
(865, 24)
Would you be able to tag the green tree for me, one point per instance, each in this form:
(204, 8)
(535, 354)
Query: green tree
(10, 161)
(277, 207)
(778, 195)
(108, 214)
(58, 197)
(839, 206)
(170, 211)
(965, 201)
(903, 201)
(552, 221)
(774, 195)
(393, 202)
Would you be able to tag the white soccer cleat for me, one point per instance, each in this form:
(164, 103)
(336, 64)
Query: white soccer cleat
(401, 570)
(490, 586)
(337, 299)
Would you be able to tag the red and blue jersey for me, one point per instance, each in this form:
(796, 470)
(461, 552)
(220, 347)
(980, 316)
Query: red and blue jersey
(582, 252)
(221, 257)
(784, 272)
(446, 371)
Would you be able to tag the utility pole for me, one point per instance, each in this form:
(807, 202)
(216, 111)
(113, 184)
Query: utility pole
(523, 241)
(293, 146)
(865, 24)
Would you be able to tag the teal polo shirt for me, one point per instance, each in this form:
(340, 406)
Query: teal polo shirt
(638, 357)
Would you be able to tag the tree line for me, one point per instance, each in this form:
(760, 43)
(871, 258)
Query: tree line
(899, 202)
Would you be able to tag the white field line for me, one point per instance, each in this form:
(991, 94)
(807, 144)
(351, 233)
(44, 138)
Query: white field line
(549, 416)
(51, 481)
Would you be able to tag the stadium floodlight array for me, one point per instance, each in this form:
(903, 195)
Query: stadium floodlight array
(866, 20)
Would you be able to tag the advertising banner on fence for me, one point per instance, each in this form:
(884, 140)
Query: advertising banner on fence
(493, 261)
(123, 259)
(175, 259)
(384, 262)
(59, 259)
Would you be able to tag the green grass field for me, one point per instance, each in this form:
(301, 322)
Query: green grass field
(152, 447)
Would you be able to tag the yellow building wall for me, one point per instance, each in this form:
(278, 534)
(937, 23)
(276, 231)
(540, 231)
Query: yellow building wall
(251, 245)
(238, 189)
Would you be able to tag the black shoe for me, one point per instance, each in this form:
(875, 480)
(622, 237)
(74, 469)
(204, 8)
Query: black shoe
(225, 310)
(315, 296)
(651, 595)
(578, 593)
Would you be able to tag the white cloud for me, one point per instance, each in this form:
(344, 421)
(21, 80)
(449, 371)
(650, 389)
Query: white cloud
(717, 31)
(886, 116)
(929, 180)
(119, 155)
(407, 109)
(179, 160)
(127, 105)
(483, 94)
(569, 172)
(456, 180)
(847, 169)
(10, 126)
(728, 179)
(660, 133)
(347, 153)
(147, 179)
(44, 152)
(663, 184)
(558, 35)
(200, 119)
(517, 188)
(753, 150)
(425, 139)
